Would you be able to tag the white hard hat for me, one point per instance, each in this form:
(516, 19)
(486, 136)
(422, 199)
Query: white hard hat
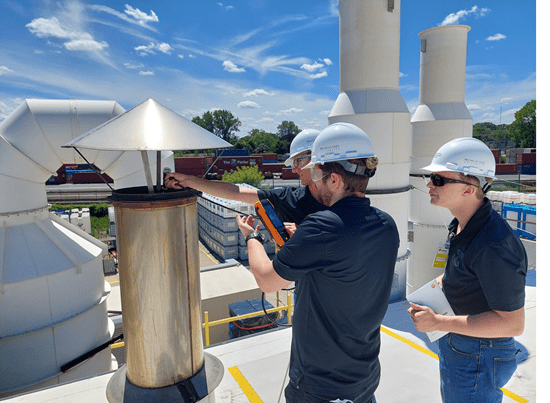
(302, 142)
(467, 155)
(340, 142)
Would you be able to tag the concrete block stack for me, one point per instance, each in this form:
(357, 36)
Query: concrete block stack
(218, 228)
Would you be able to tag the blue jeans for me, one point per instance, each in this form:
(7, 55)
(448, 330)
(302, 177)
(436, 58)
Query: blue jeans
(295, 394)
(473, 370)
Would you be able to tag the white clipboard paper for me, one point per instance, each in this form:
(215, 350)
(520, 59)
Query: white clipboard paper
(431, 295)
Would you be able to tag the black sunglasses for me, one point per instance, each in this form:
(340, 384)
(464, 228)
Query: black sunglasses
(439, 180)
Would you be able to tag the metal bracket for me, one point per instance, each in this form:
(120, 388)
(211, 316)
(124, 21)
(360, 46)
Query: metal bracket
(391, 5)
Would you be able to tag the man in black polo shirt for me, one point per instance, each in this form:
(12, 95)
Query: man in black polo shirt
(484, 279)
(344, 258)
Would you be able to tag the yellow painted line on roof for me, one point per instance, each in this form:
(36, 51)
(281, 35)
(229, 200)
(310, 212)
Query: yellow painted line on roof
(424, 350)
(114, 282)
(244, 385)
(408, 342)
(513, 396)
(209, 255)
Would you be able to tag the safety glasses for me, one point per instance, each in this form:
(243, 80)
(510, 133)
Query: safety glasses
(317, 174)
(300, 161)
(439, 180)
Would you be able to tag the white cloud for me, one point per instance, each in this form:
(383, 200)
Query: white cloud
(510, 112)
(125, 17)
(310, 68)
(181, 56)
(77, 39)
(333, 8)
(232, 67)
(165, 48)
(146, 73)
(402, 74)
(257, 92)
(5, 70)
(86, 45)
(327, 61)
(133, 66)
(318, 75)
(140, 16)
(453, 18)
(506, 100)
(474, 107)
(152, 48)
(226, 7)
(496, 37)
(191, 56)
(248, 105)
(291, 111)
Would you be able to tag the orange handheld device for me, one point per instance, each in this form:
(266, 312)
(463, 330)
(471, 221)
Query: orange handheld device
(271, 221)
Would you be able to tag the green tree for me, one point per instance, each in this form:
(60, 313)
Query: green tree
(220, 122)
(260, 141)
(287, 130)
(247, 174)
(524, 128)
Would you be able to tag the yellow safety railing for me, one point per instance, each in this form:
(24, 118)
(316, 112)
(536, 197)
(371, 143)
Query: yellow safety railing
(208, 324)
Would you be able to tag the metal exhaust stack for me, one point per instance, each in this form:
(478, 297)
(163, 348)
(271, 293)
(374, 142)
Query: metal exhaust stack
(159, 266)
(441, 116)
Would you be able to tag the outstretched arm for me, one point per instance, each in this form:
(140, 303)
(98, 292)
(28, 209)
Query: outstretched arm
(223, 190)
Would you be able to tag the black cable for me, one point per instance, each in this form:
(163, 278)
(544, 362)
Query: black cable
(89, 354)
(267, 315)
(94, 168)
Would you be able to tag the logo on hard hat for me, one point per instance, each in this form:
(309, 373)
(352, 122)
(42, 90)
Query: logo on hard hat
(329, 149)
(474, 162)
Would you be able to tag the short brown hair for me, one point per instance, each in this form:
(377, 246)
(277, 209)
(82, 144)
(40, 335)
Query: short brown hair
(354, 183)
(480, 194)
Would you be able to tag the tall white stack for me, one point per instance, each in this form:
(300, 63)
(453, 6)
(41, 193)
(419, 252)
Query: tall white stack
(370, 99)
(441, 116)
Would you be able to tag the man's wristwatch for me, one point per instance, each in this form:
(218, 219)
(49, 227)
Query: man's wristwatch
(255, 235)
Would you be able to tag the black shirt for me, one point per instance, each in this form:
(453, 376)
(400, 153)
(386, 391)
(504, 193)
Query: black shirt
(487, 265)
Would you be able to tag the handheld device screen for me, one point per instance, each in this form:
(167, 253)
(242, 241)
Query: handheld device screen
(277, 223)
(271, 221)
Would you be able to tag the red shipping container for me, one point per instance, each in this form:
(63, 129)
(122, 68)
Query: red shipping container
(530, 158)
(274, 167)
(267, 156)
(228, 164)
(188, 162)
(496, 154)
(90, 177)
(506, 169)
(288, 174)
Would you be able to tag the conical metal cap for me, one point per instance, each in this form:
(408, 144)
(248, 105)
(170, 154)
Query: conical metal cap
(148, 127)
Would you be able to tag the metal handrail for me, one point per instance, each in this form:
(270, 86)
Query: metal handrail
(208, 324)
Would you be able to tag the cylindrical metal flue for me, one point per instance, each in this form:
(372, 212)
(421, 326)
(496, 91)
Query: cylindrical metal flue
(157, 240)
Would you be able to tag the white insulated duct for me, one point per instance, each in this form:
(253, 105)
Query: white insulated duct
(52, 289)
(440, 117)
(370, 99)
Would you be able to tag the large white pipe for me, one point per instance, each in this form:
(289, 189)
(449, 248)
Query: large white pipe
(440, 117)
(52, 288)
(370, 99)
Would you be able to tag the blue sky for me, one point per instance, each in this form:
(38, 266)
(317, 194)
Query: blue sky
(265, 61)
